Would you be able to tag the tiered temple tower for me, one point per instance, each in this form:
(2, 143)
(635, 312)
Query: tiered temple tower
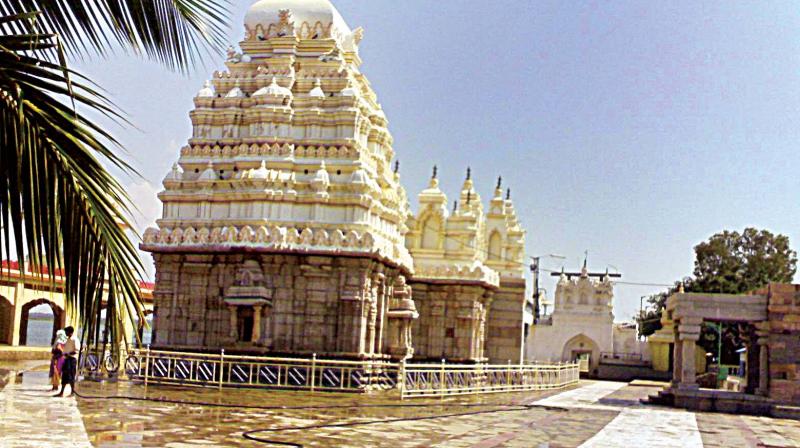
(512, 310)
(283, 223)
(465, 261)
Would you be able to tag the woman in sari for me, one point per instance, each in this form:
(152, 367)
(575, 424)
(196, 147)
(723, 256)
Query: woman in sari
(57, 359)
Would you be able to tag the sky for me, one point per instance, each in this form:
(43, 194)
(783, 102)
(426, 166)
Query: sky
(631, 130)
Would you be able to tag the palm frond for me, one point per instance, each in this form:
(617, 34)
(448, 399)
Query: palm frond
(173, 32)
(58, 204)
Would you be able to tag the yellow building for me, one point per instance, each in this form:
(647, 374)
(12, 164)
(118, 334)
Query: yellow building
(21, 292)
(662, 343)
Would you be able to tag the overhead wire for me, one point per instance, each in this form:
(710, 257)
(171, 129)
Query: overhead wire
(485, 252)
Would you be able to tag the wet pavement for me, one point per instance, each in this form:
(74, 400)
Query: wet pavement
(596, 414)
(31, 417)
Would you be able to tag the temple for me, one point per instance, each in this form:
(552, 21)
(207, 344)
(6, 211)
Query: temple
(468, 285)
(286, 230)
(581, 327)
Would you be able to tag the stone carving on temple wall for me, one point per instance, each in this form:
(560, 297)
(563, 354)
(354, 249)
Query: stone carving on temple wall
(233, 55)
(446, 271)
(583, 293)
(271, 150)
(265, 237)
(401, 313)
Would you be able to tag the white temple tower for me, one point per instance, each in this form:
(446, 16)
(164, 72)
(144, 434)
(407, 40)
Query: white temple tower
(283, 223)
(468, 282)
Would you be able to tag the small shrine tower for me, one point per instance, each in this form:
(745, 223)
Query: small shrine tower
(468, 283)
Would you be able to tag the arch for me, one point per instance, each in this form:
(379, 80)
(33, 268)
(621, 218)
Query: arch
(581, 345)
(495, 245)
(6, 321)
(431, 230)
(58, 319)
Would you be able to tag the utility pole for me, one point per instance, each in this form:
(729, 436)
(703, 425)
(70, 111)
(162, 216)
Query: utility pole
(535, 273)
(641, 317)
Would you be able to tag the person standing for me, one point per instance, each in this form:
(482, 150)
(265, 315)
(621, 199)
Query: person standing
(56, 359)
(70, 369)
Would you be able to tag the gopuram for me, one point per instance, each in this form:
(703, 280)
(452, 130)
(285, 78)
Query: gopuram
(286, 230)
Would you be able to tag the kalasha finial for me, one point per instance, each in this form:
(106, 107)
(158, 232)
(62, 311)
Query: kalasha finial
(499, 182)
(469, 173)
(435, 172)
(508, 194)
(396, 166)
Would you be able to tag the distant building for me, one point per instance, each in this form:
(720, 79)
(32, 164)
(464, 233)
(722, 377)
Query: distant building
(21, 291)
(581, 326)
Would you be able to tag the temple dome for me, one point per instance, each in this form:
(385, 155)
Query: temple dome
(267, 12)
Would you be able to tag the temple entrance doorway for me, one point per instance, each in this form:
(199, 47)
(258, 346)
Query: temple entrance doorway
(244, 327)
(583, 349)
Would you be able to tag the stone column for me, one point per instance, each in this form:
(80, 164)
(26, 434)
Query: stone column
(372, 315)
(677, 358)
(16, 321)
(256, 324)
(762, 332)
(233, 333)
(689, 329)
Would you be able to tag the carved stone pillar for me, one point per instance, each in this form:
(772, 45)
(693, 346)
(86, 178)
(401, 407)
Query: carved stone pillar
(372, 313)
(689, 334)
(256, 324)
(677, 359)
(399, 316)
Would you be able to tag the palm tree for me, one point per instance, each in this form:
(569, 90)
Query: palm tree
(52, 155)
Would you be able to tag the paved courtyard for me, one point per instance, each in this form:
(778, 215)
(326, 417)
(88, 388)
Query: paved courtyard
(595, 414)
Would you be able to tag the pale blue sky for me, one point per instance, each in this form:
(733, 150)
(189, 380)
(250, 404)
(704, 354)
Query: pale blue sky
(632, 129)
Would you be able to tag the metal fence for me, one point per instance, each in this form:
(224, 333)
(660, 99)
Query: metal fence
(410, 379)
(440, 380)
(221, 370)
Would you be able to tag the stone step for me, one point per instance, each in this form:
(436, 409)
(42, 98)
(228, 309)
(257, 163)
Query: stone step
(785, 411)
(660, 399)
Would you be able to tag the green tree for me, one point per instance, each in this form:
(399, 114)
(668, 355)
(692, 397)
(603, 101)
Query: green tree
(59, 205)
(735, 263)
(732, 263)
